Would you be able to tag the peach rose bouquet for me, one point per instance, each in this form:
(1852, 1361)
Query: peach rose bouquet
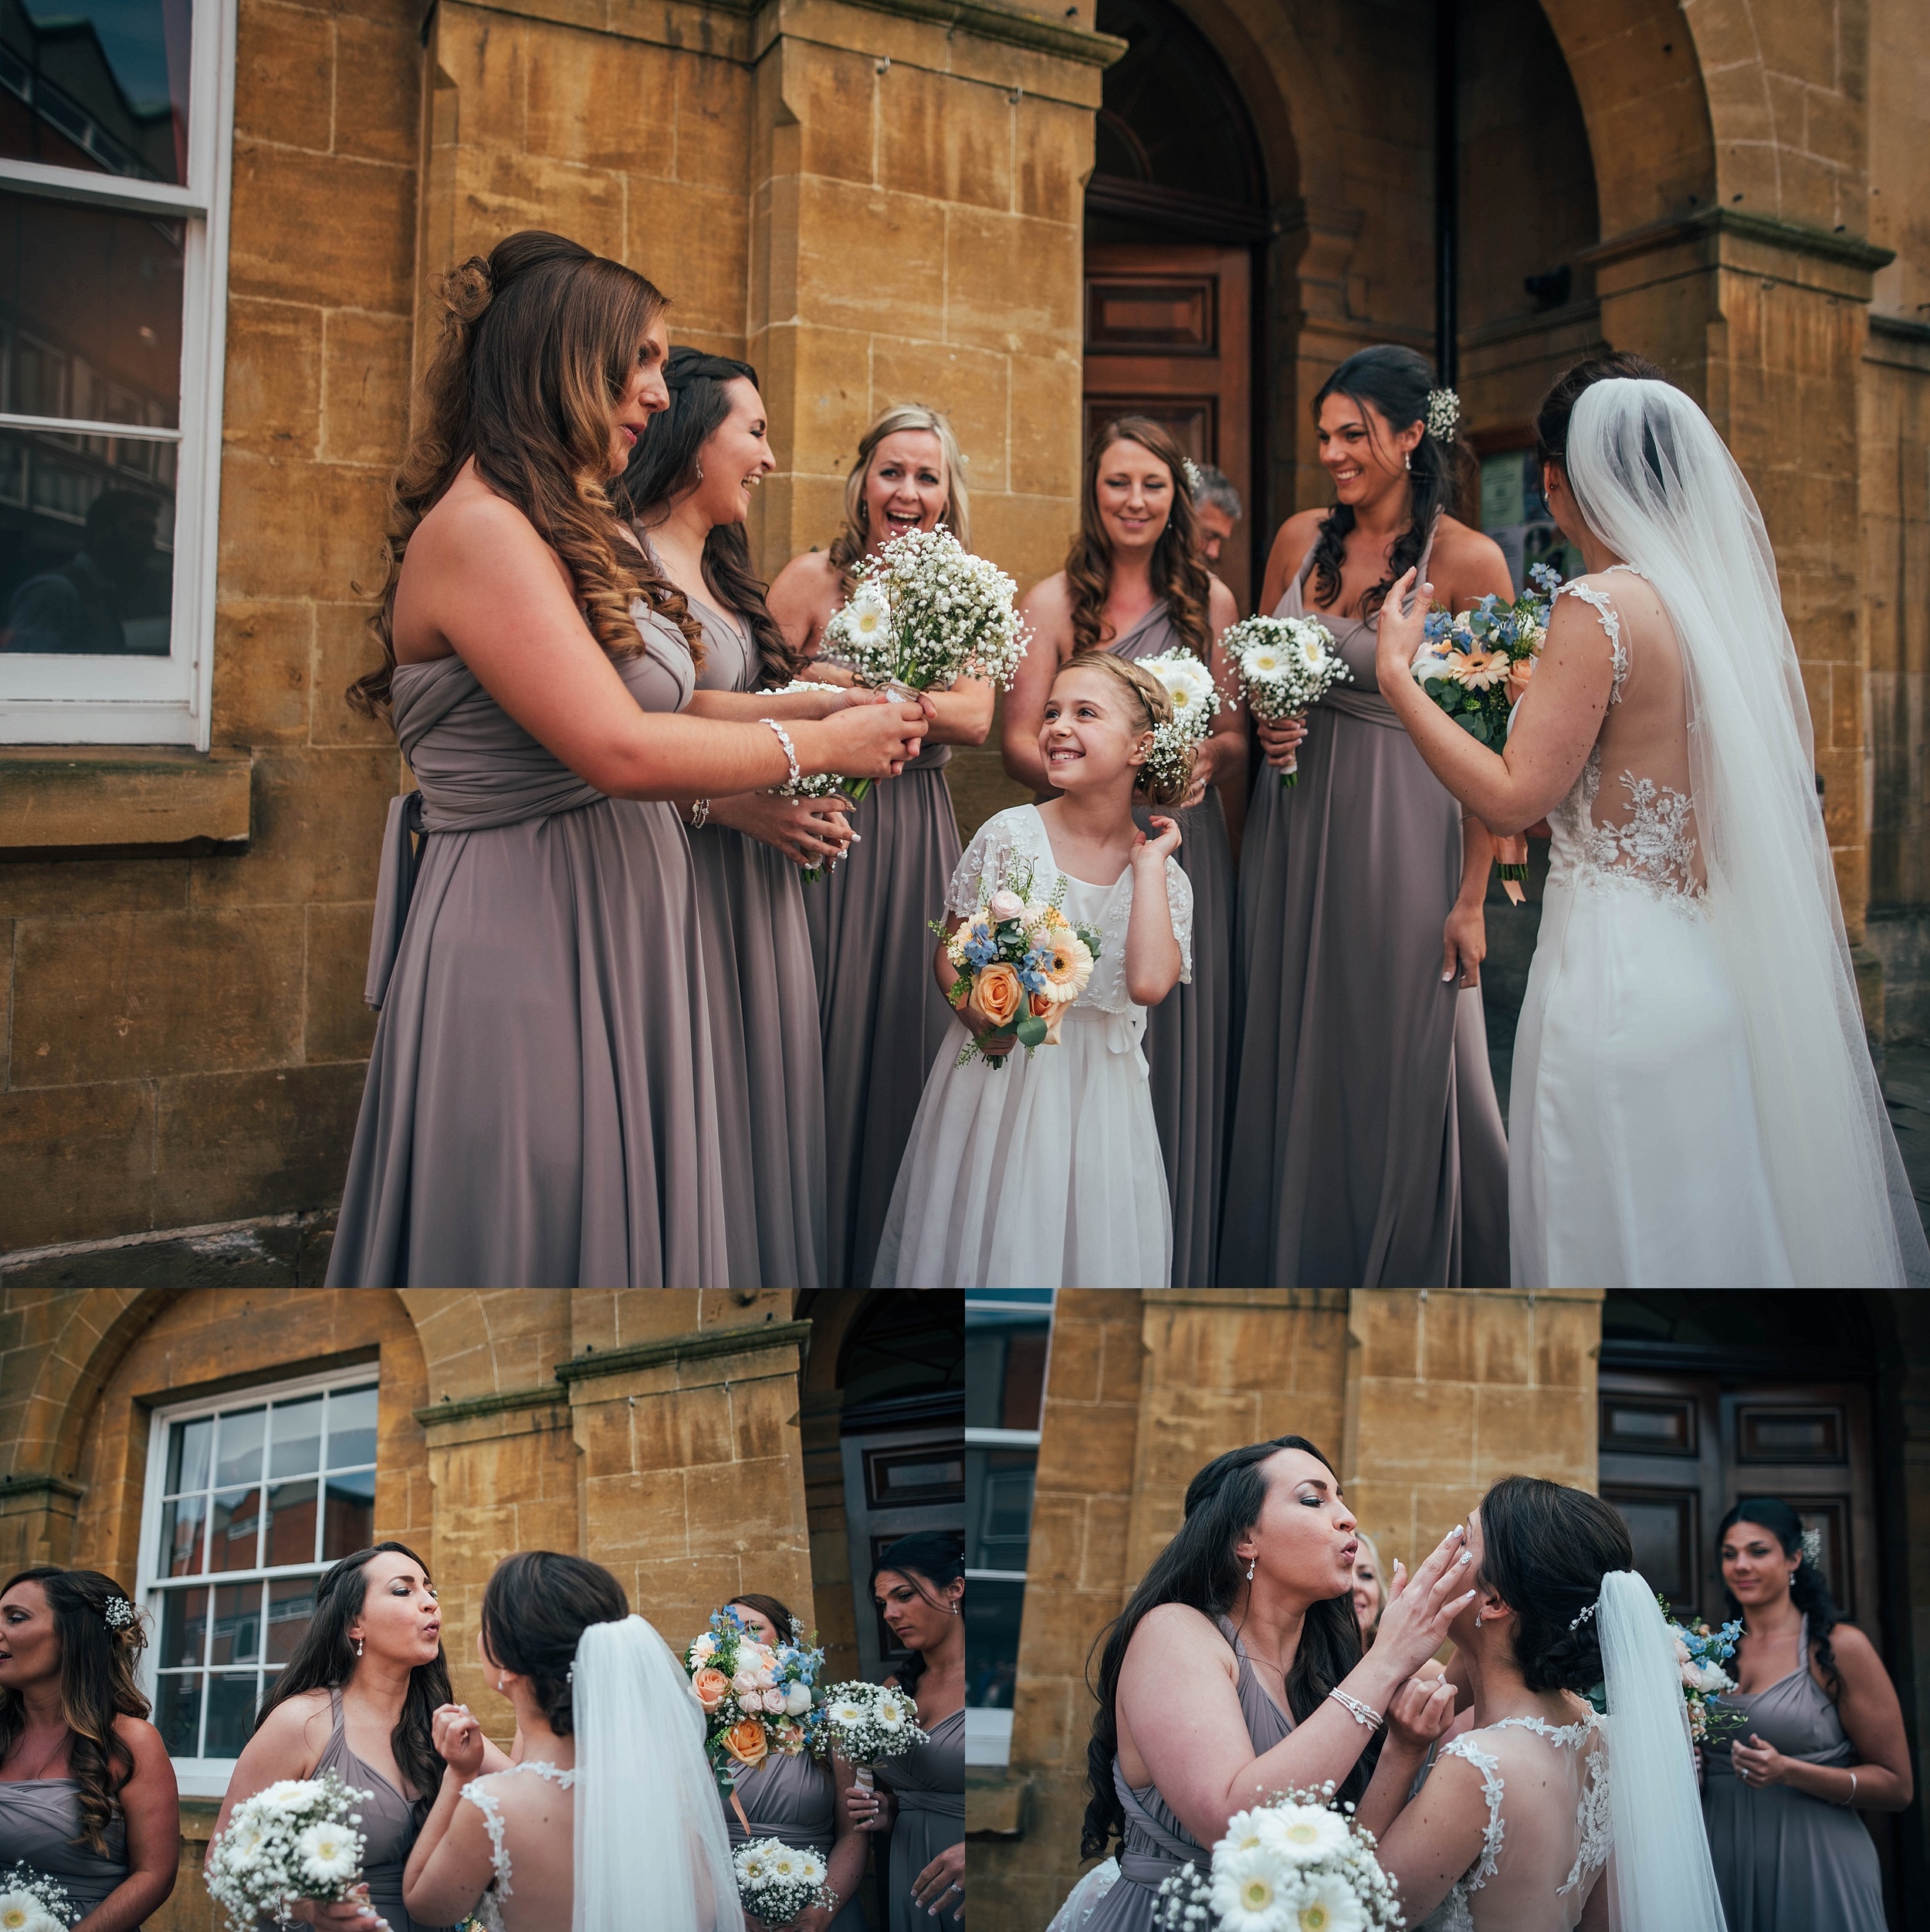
(760, 1700)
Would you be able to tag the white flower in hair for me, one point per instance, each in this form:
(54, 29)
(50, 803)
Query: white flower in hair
(1193, 479)
(1443, 415)
(119, 1613)
(1812, 1547)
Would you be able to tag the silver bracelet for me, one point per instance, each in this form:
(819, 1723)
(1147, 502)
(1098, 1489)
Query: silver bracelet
(699, 814)
(1852, 1799)
(790, 753)
(1362, 1714)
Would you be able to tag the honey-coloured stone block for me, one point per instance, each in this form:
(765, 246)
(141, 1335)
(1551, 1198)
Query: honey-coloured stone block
(944, 138)
(365, 386)
(76, 1159)
(601, 102)
(713, 129)
(501, 190)
(378, 89)
(857, 242)
(969, 386)
(345, 650)
(337, 1023)
(284, 75)
(271, 397)
(291, 528)
(356, 220)
(1011, 282)
(264, 655)
(829, 93)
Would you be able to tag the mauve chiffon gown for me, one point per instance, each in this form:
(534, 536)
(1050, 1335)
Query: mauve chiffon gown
(762, 992)
(1188, 1040)
(927, 1783)
(40, 1819)
(540, 1110)
(1367, 1149)
(882, 1015)
(795, 1799)
(1786, 1862)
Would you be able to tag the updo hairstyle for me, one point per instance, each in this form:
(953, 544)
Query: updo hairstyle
(1154, 705)
(537, 1605)
(1552, 418)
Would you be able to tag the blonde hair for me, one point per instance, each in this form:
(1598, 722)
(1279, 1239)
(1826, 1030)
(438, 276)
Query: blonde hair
(1367, 1543)
(851, 542)
(1155, 704)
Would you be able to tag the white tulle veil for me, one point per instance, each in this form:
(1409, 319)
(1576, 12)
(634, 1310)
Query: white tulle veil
(1660, 1878)
(1657, 485)
(651, 1845)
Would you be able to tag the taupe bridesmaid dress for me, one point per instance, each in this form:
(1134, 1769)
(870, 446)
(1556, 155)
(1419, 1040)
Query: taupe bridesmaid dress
(540, 1109)
(928, 1784)
(1156, 1844)
(39, 1821)
(762, 992)
(1367, 1149)
(1786, 1862)
(796, 1799)
(1188, 1033)
(881, 1014)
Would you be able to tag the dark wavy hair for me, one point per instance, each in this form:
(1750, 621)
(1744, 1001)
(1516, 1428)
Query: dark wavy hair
(665, 465)
(1808, 1589)
(97, 1685)
(1392, 382)
(325, 1660)
(1198, 1567)
(1545, 1550)
(932, 1557)
(1177, 573)
(536, 1607)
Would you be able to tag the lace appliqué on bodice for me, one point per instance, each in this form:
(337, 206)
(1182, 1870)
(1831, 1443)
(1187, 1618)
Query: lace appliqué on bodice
(488, 1911)
(1653, 850)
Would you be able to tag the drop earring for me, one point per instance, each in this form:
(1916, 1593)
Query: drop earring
(1251, 1561)
(503, 1684)
(1477, 1619)
(358, 1647)
(1407, 461)
(699, 469)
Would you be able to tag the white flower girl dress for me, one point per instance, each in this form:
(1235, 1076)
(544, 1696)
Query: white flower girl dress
(1045, 1170)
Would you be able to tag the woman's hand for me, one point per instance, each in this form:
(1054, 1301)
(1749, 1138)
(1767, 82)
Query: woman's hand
(1155, 851)
(1399, 629)
(1758, 1763)
(1464, 943)
(995, 1046)
(1419, 1712)
(1414, 1624)
(870, 1811)
(808, 831)
(355, 1910)
(942, 1882)
(458, 1739)
(866, 740)
(1280, 739)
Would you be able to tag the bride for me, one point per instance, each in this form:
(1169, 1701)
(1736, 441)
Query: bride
(1694, 1103)
(608, 1801)
(1543, 1816)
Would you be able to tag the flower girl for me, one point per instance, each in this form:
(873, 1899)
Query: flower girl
(1044, 1168)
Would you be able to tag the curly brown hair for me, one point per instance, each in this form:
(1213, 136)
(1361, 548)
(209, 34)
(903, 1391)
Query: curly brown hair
(1177, 573)
(97, 1684)
(1155, 704)
(538, 344)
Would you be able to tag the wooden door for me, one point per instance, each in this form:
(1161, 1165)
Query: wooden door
(1169, 333)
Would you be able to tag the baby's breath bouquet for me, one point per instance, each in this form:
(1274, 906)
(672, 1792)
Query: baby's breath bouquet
(1285, 666)
(777, 1881)
(31, 1902)
(1196, 703)
(926, 613)
(1294, 1862)
(294, 1840)
(865, 1723)
(811, 784)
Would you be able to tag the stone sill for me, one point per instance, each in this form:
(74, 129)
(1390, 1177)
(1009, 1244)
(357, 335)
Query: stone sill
(994, 1801)
(68, 801)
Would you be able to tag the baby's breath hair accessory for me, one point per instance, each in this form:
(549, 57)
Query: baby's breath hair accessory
(1193, 477)
(1585, 1614)
(1813, 1548)
(119, 1612)
(1443, 415)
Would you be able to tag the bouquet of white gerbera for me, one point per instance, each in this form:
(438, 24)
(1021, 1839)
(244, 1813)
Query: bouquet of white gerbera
(777, 1881)
(294, 1840)
(31, 1902)
(926, 613)
(865, 1723)
(1285, 665)
(1196, 703)
(1293, 1865)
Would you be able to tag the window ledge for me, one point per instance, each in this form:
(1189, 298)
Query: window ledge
(68, 801)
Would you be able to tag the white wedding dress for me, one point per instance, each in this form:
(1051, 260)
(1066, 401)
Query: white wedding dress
(1694, 1103)
(1045, 1172)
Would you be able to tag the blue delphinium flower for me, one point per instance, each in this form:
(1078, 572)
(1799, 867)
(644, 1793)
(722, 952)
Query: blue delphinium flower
(1437, 626)
(1545, 577)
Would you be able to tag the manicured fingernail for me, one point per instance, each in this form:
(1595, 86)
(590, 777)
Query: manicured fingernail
(1445, 977)
(1466, 1556)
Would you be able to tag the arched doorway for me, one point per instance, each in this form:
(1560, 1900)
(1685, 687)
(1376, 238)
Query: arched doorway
(1176, 216)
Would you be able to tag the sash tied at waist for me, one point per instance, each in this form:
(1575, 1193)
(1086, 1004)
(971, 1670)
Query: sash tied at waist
(1150, 1853)
(1368, 706)
(946, 1804)
(1125, 1030)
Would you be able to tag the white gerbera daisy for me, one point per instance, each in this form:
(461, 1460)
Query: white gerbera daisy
(1262, 661)
(1251, 1893)
(1311, 652)
(330, 1854)
(1306, 1833)
(1326, 1902)
(846, 1710)
(17, 1910)
(869, 617)
(890, 1715)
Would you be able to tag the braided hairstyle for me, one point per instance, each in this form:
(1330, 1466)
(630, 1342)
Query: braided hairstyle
(1198, 1567)
(536, 1607)
(1154, 702)
(1545, 1550)
(1808, 1589)
(1390, 383)
(97, 1685)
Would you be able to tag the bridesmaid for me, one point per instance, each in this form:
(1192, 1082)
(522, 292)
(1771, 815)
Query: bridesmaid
(880, 1011)
(87, 1793)
(541, 1109)
(796, 1798)
(689, 483)
(1367, 1145)
(1823, 1739)
(919, 1585)
(359, 1697)
(1133, 584)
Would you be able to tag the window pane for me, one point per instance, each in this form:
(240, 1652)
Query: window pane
(240, 1457)
(180, 1526)
(291, 1524)
(238, 1624)
(117, 101)
(183, 1623)
(235, 1532)
(231, 1712)
(352, 1429)
(349, 1523)
(187, 1446)
(295, 1436)
(291, 1606)
(178, 1714)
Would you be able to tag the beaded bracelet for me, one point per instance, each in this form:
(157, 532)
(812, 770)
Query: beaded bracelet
(699, 814)
(790, 754)
(1362, 1714)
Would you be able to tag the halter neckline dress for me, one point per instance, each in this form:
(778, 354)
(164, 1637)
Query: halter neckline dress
(40, 1819)
(927, 1783)
(1366, 1147)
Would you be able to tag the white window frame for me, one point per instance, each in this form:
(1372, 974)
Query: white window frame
(153, 701)
(208, 1777)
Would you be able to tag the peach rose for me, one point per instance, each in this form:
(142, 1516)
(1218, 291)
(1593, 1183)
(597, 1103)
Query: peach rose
(711, 1687)
(1051, 1011)
(745, 1741)
(999, 994)
(1518, 673)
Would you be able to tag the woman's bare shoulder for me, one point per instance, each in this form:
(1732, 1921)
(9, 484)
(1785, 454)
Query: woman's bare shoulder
(1176, 1629)
(810, 571)
(142, 1740)
(1463, 556)
(1050, 597)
